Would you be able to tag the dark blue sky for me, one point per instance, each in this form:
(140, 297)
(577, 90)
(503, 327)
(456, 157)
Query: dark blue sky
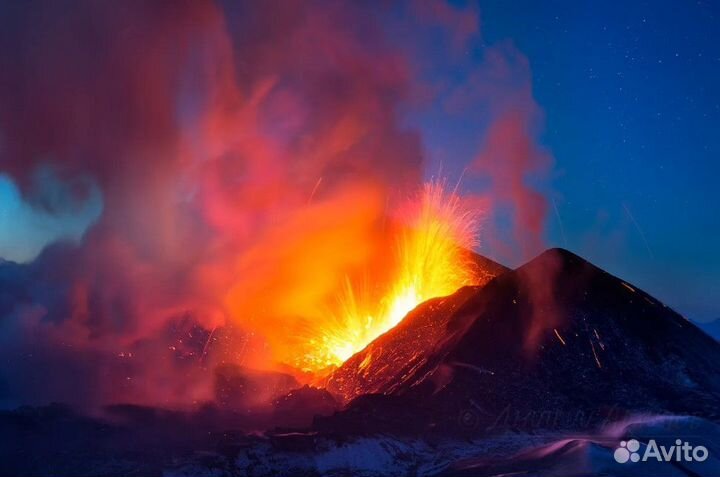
(631, 97)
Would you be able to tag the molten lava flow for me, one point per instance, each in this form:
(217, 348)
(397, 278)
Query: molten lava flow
(431, 260)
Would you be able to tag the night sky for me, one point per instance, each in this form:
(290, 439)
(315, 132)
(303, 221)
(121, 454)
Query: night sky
(630, 95)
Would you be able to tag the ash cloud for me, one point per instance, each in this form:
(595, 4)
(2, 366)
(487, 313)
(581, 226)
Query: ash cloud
(233, 147)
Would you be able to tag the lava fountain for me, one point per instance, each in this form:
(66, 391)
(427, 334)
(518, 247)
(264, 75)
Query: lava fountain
(431, 258)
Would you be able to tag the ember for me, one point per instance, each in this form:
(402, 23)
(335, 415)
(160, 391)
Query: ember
(431, 260)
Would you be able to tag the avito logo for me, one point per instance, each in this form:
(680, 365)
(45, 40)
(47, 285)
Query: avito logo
(680, 452)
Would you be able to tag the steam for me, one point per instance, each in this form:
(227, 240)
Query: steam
(246, 157)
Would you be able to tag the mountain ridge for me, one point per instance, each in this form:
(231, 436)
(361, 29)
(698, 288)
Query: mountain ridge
(556, 335)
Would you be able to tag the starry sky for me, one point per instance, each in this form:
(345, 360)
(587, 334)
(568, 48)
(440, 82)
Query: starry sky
(631, 100)
(631, 97)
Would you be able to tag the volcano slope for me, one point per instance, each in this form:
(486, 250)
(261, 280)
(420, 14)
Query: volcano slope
(555, 344)
(386, 362)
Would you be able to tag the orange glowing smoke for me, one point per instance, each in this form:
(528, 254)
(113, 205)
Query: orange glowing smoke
(430, 260)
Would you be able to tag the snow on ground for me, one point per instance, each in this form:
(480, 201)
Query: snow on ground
(540, 454)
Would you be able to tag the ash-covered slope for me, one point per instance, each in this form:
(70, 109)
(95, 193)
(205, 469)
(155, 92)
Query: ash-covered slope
(386, 362)
(557, 343)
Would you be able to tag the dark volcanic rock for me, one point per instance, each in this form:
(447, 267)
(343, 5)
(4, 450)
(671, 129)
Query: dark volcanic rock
(557, 343)
(298, 407)
(241, 388)
(391, 359)
(387, 362)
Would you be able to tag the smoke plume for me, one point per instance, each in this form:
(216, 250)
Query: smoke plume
(247, 157)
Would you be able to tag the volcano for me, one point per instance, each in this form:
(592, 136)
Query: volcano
(557, 343)
(542, 370)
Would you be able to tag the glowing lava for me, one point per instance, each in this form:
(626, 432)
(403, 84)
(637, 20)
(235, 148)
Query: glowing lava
(431, 259)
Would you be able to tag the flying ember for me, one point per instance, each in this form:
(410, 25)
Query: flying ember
(431, 259)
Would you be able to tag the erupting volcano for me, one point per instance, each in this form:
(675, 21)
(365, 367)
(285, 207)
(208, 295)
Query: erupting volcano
(431, 257)
(418, 250)
(320, 238)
